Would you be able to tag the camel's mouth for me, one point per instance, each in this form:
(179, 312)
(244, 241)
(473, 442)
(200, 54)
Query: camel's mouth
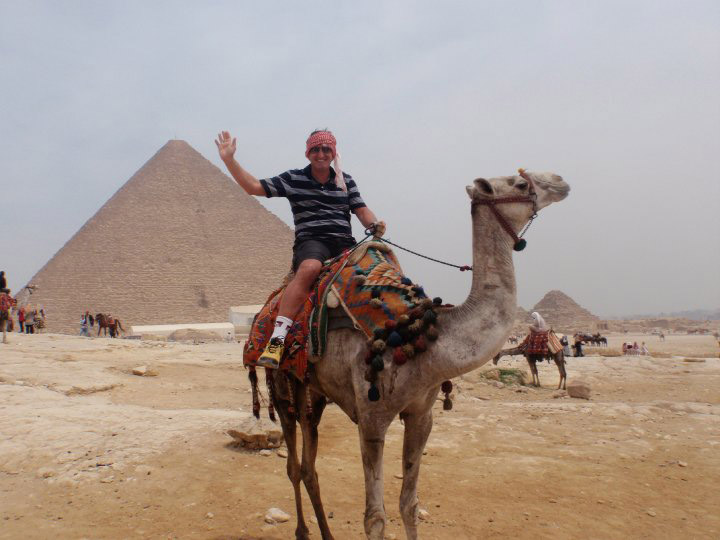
(556, 186)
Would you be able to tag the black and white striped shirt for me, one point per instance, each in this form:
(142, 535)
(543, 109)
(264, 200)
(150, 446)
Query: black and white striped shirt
(319, 210)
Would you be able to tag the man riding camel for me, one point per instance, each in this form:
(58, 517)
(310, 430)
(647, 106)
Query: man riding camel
(321, 200)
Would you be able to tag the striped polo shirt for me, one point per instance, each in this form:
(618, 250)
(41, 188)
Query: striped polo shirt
(319, 210)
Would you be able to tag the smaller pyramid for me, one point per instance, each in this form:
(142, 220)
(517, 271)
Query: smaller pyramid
(563, 313)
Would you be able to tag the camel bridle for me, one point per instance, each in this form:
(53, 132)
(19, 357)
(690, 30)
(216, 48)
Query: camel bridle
(519, 242)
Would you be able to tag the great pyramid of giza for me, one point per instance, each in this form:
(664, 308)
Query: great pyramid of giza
(179, 242)
(563, 313)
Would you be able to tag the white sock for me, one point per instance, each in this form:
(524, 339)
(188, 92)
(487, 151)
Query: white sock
(282, 325)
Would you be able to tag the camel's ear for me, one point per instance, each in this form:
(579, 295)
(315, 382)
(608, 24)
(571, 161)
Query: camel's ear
(481, 186)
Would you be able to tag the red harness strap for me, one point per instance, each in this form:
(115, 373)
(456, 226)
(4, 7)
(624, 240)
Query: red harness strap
(519, 243)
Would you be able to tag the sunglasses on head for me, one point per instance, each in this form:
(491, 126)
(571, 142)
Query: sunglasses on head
(323, 149)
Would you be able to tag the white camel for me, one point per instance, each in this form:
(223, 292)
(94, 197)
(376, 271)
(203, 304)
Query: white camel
(470, 335)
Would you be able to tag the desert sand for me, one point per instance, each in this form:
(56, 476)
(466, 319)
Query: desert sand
(89, 450)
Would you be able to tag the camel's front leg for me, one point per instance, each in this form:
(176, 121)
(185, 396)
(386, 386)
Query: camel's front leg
(560, 361)
(417, 431)
(372, 442)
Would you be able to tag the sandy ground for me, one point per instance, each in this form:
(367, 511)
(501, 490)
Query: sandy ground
(88, 450)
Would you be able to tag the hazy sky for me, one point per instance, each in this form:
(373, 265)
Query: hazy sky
(620, 98)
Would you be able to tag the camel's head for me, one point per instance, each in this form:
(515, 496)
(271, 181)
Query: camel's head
(549, 188)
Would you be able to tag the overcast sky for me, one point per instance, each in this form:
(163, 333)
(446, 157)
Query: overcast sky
(620, 98)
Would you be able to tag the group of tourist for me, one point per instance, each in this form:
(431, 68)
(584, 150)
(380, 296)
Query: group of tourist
(29, 318)
(632, 349)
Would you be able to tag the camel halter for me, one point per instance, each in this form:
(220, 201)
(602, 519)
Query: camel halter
(531, 197)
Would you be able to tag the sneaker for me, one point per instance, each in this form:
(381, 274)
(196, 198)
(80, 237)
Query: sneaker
(273, 353)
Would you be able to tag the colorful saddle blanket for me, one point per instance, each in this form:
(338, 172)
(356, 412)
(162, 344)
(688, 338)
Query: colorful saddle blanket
(544, 343)
(6, 302)
(367, 283)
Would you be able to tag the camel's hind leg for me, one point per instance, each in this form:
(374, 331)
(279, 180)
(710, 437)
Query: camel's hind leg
(289, 427)
(309, 421)
(417, 431)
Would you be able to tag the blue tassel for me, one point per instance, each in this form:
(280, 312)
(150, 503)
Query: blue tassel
(406, 281)
(395, 339)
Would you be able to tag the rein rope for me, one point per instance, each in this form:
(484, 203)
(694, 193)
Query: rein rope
(462, 268)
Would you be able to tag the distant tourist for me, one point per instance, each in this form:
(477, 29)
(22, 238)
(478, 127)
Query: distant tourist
(321, 200)
(3, 283)
(6, 304)
(21, 319)
(566, 346)
(578, 345)
(644, 350)
(85, 324)
(30, 320)
(539, 324)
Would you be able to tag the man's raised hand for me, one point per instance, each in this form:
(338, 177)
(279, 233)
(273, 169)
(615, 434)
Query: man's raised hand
(226, 146)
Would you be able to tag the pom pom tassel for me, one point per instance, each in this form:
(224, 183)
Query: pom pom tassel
(446, 388)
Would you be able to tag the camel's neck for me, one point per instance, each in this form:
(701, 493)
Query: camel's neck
(470, 334)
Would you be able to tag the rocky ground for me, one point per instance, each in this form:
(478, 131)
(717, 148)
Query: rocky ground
(89, 450)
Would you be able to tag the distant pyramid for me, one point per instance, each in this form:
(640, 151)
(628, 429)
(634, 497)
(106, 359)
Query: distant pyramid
(563, 313)
(179, 242)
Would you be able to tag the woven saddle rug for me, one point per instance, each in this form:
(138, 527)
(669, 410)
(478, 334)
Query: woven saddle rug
(368, 284)
(544, 343)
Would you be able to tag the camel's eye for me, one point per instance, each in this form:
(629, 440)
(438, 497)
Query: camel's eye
(522, 186)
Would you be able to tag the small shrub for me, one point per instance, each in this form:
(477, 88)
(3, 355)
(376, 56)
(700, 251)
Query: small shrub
(507, 376)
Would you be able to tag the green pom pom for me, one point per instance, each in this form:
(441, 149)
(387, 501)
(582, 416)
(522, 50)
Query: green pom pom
(378, 364)
(429, 316)
(520, 245)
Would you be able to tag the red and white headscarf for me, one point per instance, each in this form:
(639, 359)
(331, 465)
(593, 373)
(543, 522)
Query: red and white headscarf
(328, 139)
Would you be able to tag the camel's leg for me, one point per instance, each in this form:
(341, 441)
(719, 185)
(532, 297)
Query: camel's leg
(309, 455)
(4, 327)
(289, 428)
(534, 370)
(372, 443)
(417, 431)
(560, 361)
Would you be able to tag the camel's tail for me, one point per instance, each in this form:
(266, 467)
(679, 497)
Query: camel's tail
(119, 325)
